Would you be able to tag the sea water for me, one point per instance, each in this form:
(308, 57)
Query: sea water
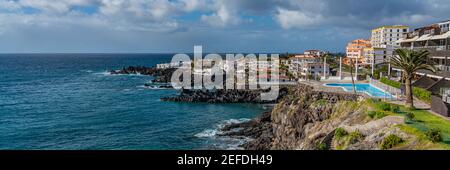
(70, 101)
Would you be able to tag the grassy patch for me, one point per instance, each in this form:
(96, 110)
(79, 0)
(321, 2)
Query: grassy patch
(376, 114)
(422, 142)
(420, 120)
(418, 123)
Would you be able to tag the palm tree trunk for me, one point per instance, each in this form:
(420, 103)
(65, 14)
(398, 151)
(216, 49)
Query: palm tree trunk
(351, 75)
(409, 92)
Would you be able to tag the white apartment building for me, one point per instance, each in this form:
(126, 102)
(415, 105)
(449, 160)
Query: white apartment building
(374, 55)
(384, 42)
(386, 36)
(314, 69)
(445, 26)
(315, 52)
(304, 65)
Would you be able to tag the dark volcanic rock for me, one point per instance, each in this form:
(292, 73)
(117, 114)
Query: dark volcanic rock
(285, 126)
(223, 96)
(258, 129)
(161, 75)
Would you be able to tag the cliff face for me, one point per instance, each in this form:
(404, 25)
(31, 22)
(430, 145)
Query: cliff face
(306, 120)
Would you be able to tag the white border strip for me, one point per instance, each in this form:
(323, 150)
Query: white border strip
(390, 95)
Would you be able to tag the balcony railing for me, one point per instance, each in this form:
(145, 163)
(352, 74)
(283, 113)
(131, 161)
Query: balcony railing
(437, 48)
(445, 92)
(443, 68)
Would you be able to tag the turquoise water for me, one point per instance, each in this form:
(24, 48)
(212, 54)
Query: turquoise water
(69, 101)
(365, 88)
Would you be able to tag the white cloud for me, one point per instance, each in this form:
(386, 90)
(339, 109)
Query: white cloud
(223, 16)
(59, 6)
(9, 5)
(297, 19)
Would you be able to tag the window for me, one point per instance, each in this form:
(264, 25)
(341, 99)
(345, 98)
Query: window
(405, 30)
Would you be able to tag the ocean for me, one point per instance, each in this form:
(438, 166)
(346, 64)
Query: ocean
(71, 102)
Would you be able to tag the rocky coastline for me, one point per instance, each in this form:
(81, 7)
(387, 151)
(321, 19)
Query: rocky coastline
(288, 125)
(224, 96)
(161, 75)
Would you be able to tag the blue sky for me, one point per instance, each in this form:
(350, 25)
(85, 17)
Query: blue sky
(152, 26)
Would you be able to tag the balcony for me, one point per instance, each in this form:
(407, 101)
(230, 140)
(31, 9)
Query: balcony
(443, 68)
(430, 48)
(445, 92)
(435, 51)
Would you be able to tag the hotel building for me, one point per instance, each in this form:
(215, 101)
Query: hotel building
(355, 51)
(387, 36)
(384, 41)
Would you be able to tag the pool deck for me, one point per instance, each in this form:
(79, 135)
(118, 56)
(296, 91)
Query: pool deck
(320, 86)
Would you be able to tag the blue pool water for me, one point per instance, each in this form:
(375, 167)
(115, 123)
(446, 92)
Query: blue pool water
(69, 101)
(365, 88)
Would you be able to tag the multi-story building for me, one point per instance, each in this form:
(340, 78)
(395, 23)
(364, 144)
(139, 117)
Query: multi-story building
(374, 55)
(355, 51)
(314, 69)
(318, 53)
(445, 26)
(304, 65)
(435, 39)
(446, 94)
(387, 36)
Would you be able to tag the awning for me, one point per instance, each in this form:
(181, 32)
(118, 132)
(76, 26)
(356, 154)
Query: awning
(442, 36)
(424, 37)
(407, 40)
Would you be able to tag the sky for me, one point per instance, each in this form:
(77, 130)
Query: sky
(172, 26)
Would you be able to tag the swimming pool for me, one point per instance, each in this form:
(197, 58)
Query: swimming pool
(365, 88)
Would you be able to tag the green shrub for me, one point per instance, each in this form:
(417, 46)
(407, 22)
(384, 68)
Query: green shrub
(355, 137)
(418, 92)
(372, 114)
(385, 107)
(376, 115)
(390, 141)
(422, 94)
(375, 100)
(321, 146)
(434, 135)
(410, 116)
(322, 102)
(391, 82)
(396, 109)
(340, 132)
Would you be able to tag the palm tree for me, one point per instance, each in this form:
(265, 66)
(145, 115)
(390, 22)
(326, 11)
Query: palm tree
(351, 75)
(410, 62)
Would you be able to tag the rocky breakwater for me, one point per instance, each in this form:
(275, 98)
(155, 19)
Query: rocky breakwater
(224, 96)
(161, 75)
(297, 121)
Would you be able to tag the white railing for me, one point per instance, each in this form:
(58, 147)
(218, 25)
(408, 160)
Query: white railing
(395, 92)
(443, 68)
(445, 92)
